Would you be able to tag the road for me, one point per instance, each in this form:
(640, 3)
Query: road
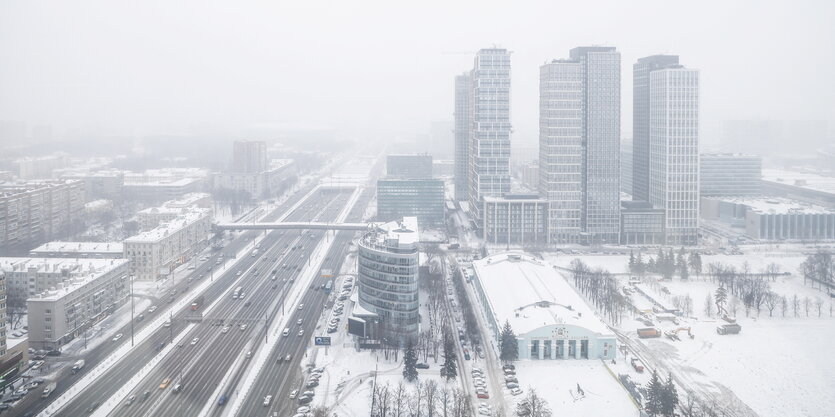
(278, 377)
(201, 366)
(32, 403)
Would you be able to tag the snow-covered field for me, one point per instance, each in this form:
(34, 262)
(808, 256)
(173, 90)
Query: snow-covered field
(777, 366)
(556, 382)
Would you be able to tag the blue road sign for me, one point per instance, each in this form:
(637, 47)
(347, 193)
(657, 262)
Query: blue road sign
(322, 341)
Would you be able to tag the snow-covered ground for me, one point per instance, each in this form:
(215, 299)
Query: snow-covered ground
(776, 366)
(556, 382)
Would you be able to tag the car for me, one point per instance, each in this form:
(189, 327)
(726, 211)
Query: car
(117, 337)
(238, 273)
(485, 412)
(224, 329)
(483, 395)
(4, 406)
(152, 309)
(267, 400)
(242, 327)
(422, 366)
(301, 332)
(305, 400)
(145, 395)
(515, 391)
(508, 367)
(248, 354)
(130, 400)
(194, 341)
(303, 409)
(331, 329)
(93, 407)
(178, 387)
(318, 370)
(166, 324)
(301, 306)
(222, 400)
(512, 385)
(288, 357)
(312, 384)
(294, 393)
(53, 353)
(164, 384)
(299, 322)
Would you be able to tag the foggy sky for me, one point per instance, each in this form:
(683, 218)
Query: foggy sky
(383, 69)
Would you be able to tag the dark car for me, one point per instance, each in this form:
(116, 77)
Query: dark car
(53, 353)
(305, 400)
(422, 366)
(221, 400)
(312, 384)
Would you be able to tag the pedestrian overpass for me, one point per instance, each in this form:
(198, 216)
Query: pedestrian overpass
(292, 226)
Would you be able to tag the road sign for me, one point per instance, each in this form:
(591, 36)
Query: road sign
(322, 341)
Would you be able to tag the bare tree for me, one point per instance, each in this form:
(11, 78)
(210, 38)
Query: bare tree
(771, 301)
(806, 304)
(418, 405)
(445, 401)
(401, 401)
(430, 393)
(784, 305)
(818, 305)
(795, 304)
(709, 305)
(734, 304)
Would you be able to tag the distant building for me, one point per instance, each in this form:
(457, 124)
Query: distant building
(388, 281)
(409, 166)
(249, 156)
(35, 212)
(157, 186)
(730, 175)
(462, 136)
(550, 319)
(518, 219)
(152, 217)
(40, 168)
(258, 185)
(806, 187)
(158, 251)
(79, 250)
(528, 174)
(443, 167)
(772, 218)
(107, 184)
(626, 167)
(489, 127)
(421, 197)
(579, 145)
(773, 137)
(641, 224)
(59, 315)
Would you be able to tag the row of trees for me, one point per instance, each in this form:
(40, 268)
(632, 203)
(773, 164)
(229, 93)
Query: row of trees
(661, 397)
(601, 288)
(667, 264)
(449, 368)
(819, 268)
(424, 399)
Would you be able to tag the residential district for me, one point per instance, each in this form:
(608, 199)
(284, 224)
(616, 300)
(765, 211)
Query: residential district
(453, 275)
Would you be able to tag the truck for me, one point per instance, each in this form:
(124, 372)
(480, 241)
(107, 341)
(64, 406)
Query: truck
(50, 387)
(637, 364)
(648, 332)
(77, 366)
(730, 328)
(197, 303)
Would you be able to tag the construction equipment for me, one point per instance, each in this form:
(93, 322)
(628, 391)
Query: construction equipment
(730, 328)
(673, 334)
(648, 332)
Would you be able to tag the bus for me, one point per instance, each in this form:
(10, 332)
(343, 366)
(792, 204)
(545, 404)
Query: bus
(237, 293)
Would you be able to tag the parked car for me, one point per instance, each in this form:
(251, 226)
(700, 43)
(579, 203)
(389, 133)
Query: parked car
(422, 366)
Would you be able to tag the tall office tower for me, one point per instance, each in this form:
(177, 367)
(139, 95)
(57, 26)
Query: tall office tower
(489, 119)
(249, 156)
(462, 136)
(579, 145)
(640, 120)
(674, 150)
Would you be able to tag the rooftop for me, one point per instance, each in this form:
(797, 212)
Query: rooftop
(396, 234)
(79, 247)
(78, 281)
(168, 228)
(73, 266)
(800, 179)
(775, 205)
(531, 294)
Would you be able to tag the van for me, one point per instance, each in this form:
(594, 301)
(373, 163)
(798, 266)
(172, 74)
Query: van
(286, 332)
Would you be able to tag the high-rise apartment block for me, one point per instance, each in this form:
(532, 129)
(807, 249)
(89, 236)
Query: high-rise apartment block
(462, 136)
(580, 145)
(35, 212)
(640, 120)
(674, 150)
(249, 156)
(489, 121)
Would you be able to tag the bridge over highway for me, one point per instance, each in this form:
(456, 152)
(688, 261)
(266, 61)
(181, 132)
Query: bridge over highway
(293, 225)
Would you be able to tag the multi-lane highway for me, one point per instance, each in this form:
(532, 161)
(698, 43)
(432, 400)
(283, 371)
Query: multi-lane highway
(279, 377)
(272, 245)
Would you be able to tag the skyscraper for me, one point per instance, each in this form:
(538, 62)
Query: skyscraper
(640, 120)
(462, 135)
(249, 156)
(579, 145)
(489, 120)
(673, 159)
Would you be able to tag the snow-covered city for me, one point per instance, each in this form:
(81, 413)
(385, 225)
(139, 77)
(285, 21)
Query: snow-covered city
(439, 209)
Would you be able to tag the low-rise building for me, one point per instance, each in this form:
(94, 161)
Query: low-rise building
(154, 216)
(520, 219)
(28, 276)
(258, 185)
(158, 251)
(727, 174)
(104, 184)
(641, 224)
(772, 218)
(57, 316)
(35, 212)
(419, 197)
(550, 320)
(94, 250)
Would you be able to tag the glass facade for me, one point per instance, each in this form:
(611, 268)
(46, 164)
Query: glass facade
(421, 198)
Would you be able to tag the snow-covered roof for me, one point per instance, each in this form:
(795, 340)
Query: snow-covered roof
(187, 218)
(775, 205)
(404, 232)
(800, 179)
(531, 294)
(80, 247)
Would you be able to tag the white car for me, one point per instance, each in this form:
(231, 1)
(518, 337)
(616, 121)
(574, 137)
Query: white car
(152, 309)
(242, 327)
(117, 337)
(267, 400)
(301, 332)
(515, 391)
(485, 412)
(303, 409)
(224, 329)
(294, 393)
(194, 341)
